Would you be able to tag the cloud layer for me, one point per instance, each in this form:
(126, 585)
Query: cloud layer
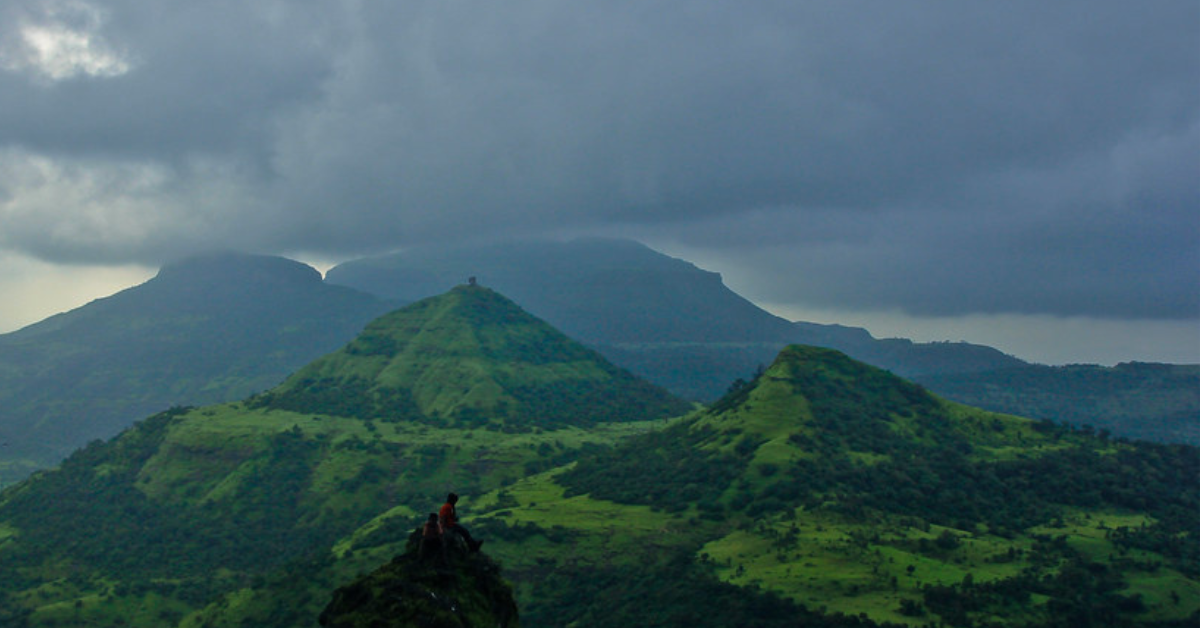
(936, 158)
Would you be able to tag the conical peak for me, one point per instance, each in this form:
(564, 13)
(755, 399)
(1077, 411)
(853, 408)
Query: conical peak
(470, 357)
(806, 365)
(820, 388)
(469, 320)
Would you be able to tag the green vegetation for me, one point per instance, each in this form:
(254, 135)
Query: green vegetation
(256, 511)
(470, 358)
(876, 499)
(823, 492)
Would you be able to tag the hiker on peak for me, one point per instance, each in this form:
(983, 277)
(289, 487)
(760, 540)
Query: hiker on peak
(431, 538)
(448, 517)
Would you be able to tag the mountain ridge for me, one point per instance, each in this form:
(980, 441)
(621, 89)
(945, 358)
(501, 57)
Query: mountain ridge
(219, 327)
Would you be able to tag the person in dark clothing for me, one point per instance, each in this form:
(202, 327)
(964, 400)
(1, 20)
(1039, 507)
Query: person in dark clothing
(448, 517)
(431, 538)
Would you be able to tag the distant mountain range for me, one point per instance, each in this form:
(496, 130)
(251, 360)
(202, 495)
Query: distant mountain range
(821, 492)
(223, 326)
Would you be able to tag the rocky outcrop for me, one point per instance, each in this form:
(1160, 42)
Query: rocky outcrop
(441, 587)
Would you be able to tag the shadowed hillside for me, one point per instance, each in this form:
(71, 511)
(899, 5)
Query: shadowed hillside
(209, 329)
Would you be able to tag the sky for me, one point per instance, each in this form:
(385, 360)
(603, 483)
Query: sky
(1020, 174)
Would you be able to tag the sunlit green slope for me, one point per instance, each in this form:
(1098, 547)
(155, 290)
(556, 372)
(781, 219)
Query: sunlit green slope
(827, 487)
(255, 511)
(470, 358)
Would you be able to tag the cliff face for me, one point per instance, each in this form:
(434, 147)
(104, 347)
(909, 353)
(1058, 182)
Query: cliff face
(451, 588)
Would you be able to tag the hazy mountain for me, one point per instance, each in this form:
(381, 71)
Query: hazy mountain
(1159, 402)
(186, 513)
(208, 329)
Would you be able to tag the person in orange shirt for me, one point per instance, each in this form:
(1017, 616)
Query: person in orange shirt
(448, 518)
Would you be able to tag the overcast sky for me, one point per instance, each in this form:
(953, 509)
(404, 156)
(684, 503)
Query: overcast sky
(1023, 174)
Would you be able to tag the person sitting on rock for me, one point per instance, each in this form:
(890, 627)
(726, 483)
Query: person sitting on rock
(431, 538)
(448, 517)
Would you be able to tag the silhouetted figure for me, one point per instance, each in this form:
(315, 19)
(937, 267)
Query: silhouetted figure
(448, 517)
(431, 539)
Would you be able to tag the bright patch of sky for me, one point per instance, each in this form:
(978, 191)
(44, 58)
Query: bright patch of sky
(62, 43)
(34, 290)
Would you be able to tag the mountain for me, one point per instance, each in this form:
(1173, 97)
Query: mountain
(190, 517)
(661, 317)
(1159, 402)
(222, 326)
(208, 329)
(470, 358)
(824, 492)
(830, 493)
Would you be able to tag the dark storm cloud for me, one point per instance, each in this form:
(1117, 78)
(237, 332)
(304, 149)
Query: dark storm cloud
(933, 157)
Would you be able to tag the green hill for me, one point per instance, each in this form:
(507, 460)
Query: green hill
(832, 488)
(825, 492)
(470, 358)
(219, 327)
(257, 510)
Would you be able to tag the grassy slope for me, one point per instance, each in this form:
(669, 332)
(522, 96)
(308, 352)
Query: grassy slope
(266, 505)
(755, 530)
(469, 357)
(827, 553)
(360, 496)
